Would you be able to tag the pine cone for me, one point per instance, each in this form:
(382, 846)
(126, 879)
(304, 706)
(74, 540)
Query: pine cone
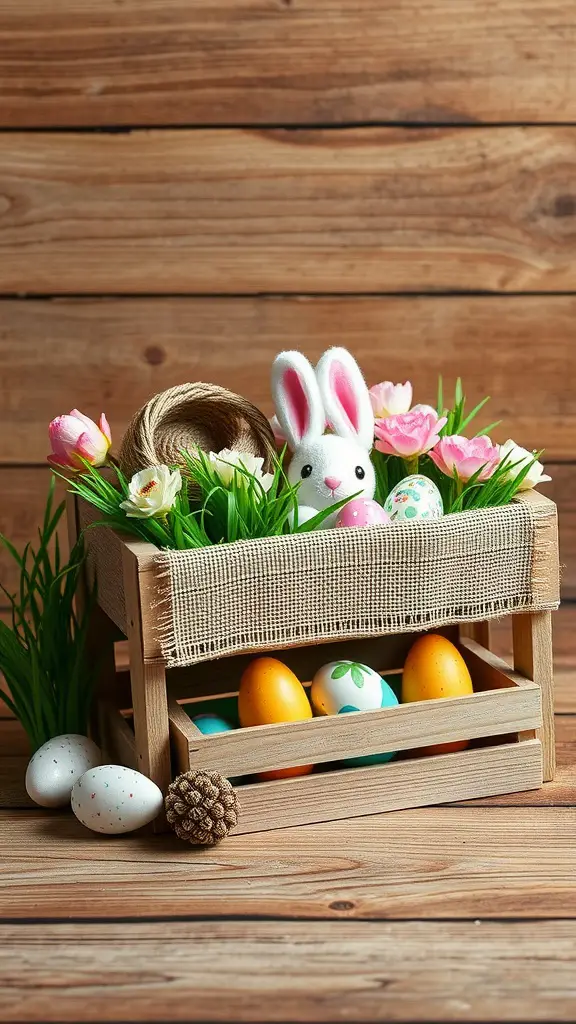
(201, 807)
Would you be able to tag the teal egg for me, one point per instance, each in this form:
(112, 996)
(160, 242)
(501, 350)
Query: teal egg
(211, 724)
(389, 700)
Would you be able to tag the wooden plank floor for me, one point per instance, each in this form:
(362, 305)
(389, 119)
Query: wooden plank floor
(459, 913)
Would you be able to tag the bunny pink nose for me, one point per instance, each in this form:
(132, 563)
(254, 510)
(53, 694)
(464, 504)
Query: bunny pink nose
(332, 482)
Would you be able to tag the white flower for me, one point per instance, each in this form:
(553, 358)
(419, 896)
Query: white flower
(152, 492)
(390, 399)
(518, 458)
(426, 409)
(224, 462)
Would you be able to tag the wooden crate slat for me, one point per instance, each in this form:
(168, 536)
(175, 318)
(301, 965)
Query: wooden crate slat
(332, 738)
(166, 62)
(348, 793)
(238, 211)
(116, 353)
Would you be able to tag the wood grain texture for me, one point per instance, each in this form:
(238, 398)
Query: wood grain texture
(437, 863)
(333, 738)
(445, 778)
(167, 62)
(114, 354)
(279, 971)
(230, 211)
(12, 774)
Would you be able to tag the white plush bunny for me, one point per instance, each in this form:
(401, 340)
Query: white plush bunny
(329, 466)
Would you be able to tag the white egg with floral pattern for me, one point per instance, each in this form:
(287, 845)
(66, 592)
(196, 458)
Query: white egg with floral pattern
(113, 799)
(343, 686)
(415, 497)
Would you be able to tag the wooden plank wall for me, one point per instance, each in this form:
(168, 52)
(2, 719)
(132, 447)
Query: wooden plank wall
(187, 187)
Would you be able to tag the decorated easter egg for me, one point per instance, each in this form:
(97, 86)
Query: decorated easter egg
(270, 692)
(114, 799)
(435, 668)
(343, 686)
(56, 765)
(362, 512)
(415, 497)
(209, 725)
(389, 700)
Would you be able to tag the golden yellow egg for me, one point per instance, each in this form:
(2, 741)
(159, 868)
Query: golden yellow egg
(270, 692)
(434, 669)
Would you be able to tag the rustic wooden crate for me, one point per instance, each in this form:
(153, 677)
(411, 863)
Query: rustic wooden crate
(509, 718)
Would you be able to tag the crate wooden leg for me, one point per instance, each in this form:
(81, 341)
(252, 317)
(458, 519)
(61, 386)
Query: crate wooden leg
(100, 646)
(101, 632)
(532, 640)
(478, 631)
(149, 697)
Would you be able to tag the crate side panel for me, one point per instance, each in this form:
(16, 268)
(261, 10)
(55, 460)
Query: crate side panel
(104, 558)
(334, 738)
(351, 793)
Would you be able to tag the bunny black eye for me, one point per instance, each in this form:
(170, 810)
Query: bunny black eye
(360, 473)
(306, 471)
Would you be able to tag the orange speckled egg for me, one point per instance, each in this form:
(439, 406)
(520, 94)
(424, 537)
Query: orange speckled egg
(435, 668)
(270, 692)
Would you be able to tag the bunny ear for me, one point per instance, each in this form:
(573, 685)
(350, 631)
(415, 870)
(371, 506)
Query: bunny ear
(297, 397)
(345, 396)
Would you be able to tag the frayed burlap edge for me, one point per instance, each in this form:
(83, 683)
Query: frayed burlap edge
(279, 592)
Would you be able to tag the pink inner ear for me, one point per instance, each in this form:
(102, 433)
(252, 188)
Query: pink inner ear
(297, 403)
(344, 392)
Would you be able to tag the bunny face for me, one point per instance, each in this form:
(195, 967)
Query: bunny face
(329, 467)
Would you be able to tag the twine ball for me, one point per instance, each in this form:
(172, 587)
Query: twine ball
(201, 807)
(194, 416)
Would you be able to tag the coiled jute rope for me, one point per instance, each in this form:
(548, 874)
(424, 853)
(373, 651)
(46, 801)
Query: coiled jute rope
(194, 416)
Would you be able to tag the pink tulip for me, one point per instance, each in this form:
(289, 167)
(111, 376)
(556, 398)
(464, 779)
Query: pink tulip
(75, 437)
(390, 399)
(466, 456)
(410, 434)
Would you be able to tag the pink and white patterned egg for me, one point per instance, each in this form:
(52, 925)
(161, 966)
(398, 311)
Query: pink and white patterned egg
(362, 512)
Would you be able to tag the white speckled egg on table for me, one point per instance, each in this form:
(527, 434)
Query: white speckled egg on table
(342, 686)
(55, 767)
(114, 799)
(415, 497)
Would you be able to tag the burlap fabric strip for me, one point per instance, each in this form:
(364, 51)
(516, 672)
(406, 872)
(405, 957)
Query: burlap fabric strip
(296, 590)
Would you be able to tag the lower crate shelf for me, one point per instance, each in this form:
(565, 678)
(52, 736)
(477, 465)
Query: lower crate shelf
(503, 714)
(351, 792)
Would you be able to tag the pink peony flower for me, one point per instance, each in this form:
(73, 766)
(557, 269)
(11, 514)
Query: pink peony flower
(390, 399)
(409, 434)
(76, 436)
(466, 456)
